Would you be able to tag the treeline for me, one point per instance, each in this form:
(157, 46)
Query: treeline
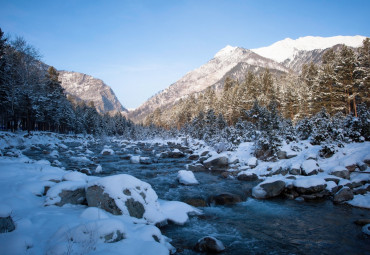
(339, 84)
(32, 98)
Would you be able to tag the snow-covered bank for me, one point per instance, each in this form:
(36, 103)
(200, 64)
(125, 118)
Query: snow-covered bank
(48, 203)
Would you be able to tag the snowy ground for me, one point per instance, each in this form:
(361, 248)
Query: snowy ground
(44, 228)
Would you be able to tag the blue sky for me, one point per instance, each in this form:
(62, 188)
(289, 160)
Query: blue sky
(141, 47)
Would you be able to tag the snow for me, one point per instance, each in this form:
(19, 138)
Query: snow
(98, 169)
(135, 159)
(286, 48)
(5, 211)
(309, 181)
(177, 212)
(187, 177)
(310, 166)
(362, 201)
(75, 176)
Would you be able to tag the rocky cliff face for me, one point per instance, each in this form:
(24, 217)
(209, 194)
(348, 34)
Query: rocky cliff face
(89, 89)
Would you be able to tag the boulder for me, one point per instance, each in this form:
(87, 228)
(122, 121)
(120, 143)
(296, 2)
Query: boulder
(124, 194)
(209, 244)
(204, 153)
(308, 186)
(362, 166)
(196, 167)
(366, 229)
(197, 202)
(224, 199)
(282, 155)
(351, 168)
(268, 189)
(175, 154)
(107, 151)
(247, 176)
(217, 163)
(310, 167)
(66, 192)
(340, 172)
(193, 157)
(343, 195)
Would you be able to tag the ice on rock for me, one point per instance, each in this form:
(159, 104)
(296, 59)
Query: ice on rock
(187, 177)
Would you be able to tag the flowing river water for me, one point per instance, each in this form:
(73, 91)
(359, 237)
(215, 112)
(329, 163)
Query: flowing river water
(275, 226)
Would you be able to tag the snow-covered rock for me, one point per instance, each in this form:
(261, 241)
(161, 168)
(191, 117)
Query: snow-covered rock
(366, 229)
(310, 167)
(309, 185)
(343, 195)
(252, 162)
(216, 162)
(67, 192)
(268, 189)
(209, 244)
(340, 171)
(6, 221)
(124, 194)
(98, 169)
(186, 177)
(145, 160)
(107, 151)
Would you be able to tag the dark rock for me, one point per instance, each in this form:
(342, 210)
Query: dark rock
(210, 245)
(248, 177)
(360, 191)
(362, 222)
(311, 190)
(343, 195)
(204, 153)
(96, 197)
(224, 199)
(193, 157)
(202, 159)
(282, 155)
(109, 237)
(175, 154)
(362, 166)
(295, 171)
(125, 157)
(197, 202)
(84, 171)
(219, 163)
(196, 168)
(351, 168)
(135, 208)
(76, 197)
(271, 189)
(353, 185)
(6, 224)
(145, 160)
(341, 173)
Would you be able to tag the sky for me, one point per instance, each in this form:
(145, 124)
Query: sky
(141, 47)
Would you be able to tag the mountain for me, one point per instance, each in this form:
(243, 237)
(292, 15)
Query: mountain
(289, 48)
(86, 88)
(234, 61)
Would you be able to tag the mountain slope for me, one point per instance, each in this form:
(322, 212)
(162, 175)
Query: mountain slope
(288, 48)
(205, 76)
(89, 89)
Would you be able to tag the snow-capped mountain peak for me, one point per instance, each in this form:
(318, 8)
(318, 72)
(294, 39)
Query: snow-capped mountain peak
(225, 51)
(287, 48)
